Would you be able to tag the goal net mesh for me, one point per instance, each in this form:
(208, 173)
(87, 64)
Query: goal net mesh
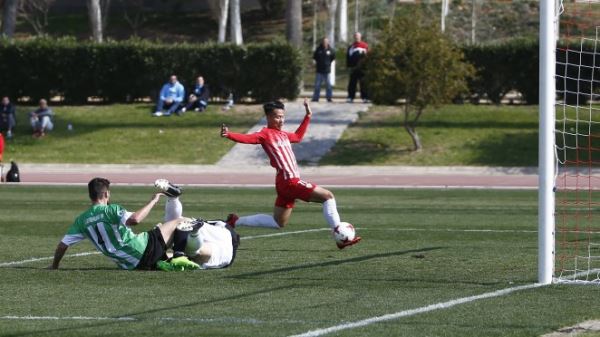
(577, 131)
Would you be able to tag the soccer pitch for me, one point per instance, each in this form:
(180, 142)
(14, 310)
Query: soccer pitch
(436, 261)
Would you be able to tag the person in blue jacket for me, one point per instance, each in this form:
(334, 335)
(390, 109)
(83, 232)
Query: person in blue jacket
(170, 98)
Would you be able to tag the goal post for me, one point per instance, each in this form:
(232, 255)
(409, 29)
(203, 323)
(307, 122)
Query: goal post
(546, 156)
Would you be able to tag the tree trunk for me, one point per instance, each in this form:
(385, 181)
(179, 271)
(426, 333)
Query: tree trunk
(236, 22)
(293, 15)
(9, 17)
(343, 32)
(356, 16)
(95, 15)
(224, 10)
(331, 12)
(410, 127)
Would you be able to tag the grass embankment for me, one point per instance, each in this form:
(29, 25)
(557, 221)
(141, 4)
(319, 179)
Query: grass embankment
(479, 135)
(128, 134)
(452, 135)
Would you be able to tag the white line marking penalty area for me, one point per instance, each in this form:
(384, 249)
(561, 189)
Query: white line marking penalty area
(417, 311)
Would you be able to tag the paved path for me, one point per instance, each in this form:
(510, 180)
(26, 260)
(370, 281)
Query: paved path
(327, 125)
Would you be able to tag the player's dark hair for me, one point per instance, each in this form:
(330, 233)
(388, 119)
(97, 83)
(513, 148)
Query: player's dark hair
(97, 187)
(272, 106)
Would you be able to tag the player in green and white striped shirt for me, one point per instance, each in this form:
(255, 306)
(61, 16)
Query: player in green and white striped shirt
(107, 226)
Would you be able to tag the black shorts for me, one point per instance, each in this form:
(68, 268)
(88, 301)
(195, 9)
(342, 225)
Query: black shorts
(235, 242)
(156, 250)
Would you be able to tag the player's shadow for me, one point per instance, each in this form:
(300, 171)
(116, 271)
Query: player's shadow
(333, 263)
(133, 317)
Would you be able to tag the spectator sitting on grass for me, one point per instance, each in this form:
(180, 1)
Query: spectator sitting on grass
(199, 95)
(41, 119)
(170, 98)
(7, 117)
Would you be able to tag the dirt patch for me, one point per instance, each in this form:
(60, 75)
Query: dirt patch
(577, 330)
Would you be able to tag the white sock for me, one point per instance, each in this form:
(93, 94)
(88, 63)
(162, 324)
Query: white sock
(173, 209)
(257, 220)
(330, 213)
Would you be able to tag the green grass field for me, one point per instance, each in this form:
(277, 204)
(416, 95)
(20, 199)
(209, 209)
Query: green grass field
(420, 247)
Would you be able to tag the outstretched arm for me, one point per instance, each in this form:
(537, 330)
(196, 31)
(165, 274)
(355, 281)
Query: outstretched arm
(58, 255)
(253, 138)
(297, 136)
(143, 212)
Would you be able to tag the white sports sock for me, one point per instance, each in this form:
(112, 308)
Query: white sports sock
(173, 209)
(330, 213)
(257, 220)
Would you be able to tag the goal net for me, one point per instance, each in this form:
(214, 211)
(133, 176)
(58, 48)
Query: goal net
(577, 143)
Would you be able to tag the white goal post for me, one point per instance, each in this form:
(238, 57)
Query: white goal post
(546, 164)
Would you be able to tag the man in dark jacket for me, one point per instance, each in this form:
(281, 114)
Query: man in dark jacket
(7, 117)
(199, 95)
(324, 55)
(356, 53)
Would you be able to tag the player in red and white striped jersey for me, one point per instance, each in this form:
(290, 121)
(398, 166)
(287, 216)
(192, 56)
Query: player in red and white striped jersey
(289, 186)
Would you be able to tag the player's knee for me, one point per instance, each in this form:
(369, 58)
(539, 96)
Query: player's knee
(328, 195)
(281, 223)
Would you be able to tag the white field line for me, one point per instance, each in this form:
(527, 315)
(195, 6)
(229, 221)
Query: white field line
(36, 259)
(417, 311)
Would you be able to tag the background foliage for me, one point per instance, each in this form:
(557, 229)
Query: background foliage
(127, 70)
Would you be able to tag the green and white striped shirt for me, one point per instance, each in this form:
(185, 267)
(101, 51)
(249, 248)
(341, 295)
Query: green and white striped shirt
(105, 226)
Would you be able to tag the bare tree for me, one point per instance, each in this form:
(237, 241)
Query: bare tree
(331, 13)
(95, 15)
(9, 17)
(35, 13)
(293, 22)
(220, 10)
(236, 22)
(133, 13)
(343, 12)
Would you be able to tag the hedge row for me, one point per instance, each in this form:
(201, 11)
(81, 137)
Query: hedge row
(513, 65)
(124, 71)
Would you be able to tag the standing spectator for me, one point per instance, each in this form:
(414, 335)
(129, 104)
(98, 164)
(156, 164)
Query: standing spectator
(41, 119)
(356, 53)
(170, 98)
(324, 55)
(199, 95)
(7, 117)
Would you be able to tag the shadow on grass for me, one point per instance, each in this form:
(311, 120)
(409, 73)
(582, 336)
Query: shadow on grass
(517, 149)
(476, 124)
(333, 263)
(131, 317)
(357, 152)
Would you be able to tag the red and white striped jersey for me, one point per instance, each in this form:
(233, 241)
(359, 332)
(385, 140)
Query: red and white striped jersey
(277, 145)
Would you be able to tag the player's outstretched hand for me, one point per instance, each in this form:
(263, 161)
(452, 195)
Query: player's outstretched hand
(224, 130)
(156, 196)
(307, 107)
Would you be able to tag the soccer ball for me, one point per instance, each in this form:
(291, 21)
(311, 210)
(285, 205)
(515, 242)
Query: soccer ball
(343, 232)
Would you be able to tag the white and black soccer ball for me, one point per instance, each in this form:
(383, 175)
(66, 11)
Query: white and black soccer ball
(344, 232)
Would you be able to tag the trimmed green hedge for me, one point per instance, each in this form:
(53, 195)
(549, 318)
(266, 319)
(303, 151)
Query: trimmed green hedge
(503, 67)
(124, 71)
